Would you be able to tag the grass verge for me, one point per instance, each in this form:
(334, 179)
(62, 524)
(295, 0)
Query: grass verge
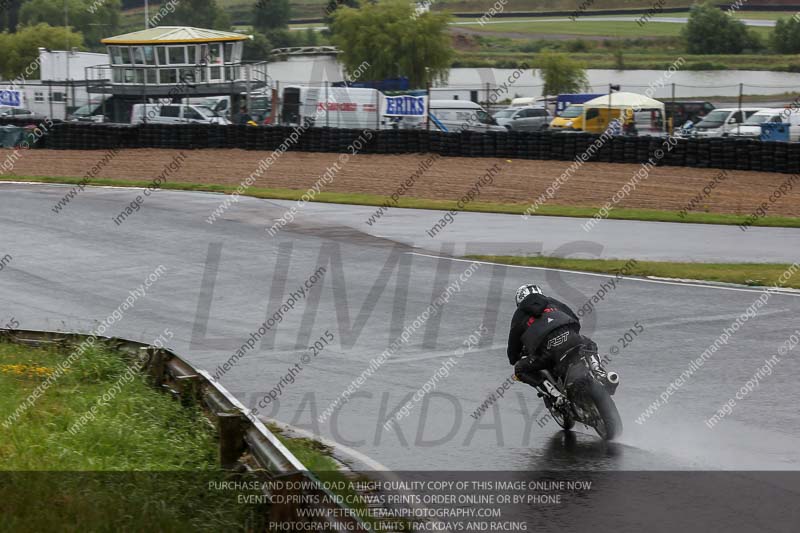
(651, 215)
(141, 461)
(754, 274)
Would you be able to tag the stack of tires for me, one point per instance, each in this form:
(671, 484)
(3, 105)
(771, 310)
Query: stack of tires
(543, 146)
(679, 152)
(703, 153)
(793, 159)
(781, 157)
(506, 144)
(742, 149)
(530, 145)
(724, 153)
(729, 155)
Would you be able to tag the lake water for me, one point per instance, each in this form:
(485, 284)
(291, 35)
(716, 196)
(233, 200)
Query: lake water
(305, 71)
(687, 83)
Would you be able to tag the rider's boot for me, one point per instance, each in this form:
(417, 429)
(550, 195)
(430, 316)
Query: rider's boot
(597, 365)
(611, 379)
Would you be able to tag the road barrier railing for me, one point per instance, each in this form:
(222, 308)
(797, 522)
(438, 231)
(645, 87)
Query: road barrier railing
(245, 442)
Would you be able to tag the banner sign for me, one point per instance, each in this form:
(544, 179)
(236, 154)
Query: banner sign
(10, 98)
(405, 106)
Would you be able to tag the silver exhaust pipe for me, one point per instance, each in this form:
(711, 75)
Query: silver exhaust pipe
(613, 378)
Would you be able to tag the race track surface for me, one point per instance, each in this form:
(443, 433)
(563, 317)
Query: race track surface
(495, 234)
(72, 269)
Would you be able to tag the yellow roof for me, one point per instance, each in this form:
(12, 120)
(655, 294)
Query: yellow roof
(175, 34)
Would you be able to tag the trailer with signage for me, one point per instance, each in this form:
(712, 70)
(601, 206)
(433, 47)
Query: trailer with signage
(350, 107)
(334, 107)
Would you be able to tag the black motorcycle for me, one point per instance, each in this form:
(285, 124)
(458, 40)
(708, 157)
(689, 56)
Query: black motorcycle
(588, 390)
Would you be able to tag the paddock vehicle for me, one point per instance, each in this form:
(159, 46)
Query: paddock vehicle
(259, 108)
(640, 114)
(723, 122)
(588, 389)
(334, 107)
(461, 115)
(175, 114)
(524, 101)
(563, 101)
(91, 112)
(530, 118)
(752, 126)
(571, 119)
(218, 104)
(682, 111)
(19, 112)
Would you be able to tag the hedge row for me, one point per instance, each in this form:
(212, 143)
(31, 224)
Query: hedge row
(726, 153)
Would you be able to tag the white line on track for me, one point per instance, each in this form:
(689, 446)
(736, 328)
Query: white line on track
(785, 292)
(681, 283)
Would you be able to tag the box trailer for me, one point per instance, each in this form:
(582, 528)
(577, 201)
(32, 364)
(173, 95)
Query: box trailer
(335, 107)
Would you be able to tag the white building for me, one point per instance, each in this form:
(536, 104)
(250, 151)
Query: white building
(61, 84)
(310, 65)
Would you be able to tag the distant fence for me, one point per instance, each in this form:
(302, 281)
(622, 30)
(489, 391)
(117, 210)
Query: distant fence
(724, 153)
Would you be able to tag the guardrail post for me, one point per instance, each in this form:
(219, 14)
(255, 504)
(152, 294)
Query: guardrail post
(287, 494)
(190, 388)
(231, 438)
(156, 366)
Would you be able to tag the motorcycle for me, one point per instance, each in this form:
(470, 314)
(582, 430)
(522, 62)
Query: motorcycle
(587, 390)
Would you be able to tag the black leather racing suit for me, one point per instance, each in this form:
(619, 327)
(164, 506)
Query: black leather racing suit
(544, 331)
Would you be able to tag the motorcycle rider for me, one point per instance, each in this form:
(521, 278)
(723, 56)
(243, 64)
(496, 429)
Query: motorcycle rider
(544, 331)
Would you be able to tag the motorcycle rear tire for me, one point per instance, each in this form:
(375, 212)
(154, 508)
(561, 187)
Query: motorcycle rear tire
(611, 426)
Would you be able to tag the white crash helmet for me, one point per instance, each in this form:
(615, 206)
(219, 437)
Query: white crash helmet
(525, 291)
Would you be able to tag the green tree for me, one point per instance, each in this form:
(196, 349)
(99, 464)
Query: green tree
(21, 50)
(93, 18)
(257, 49)
(9, 15)
(393, 41)
(271, 14)
(282, 37)
(333, 5)
(711, 31)
(785, 39)
(200, 14)
(561, 74)
(312, 38)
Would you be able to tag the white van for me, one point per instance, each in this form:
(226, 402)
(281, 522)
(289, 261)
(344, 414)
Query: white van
(526, 101)
(335, 107)
(175, 114)
(752, 126)
(723, 122)
(461, 115)
(221, 105)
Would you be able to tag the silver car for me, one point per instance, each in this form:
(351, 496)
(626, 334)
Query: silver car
(18, 112)
(529, 118)
(723, 122)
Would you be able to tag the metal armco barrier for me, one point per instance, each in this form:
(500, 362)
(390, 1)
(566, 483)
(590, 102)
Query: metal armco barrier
(723, 153)
(245, 443)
